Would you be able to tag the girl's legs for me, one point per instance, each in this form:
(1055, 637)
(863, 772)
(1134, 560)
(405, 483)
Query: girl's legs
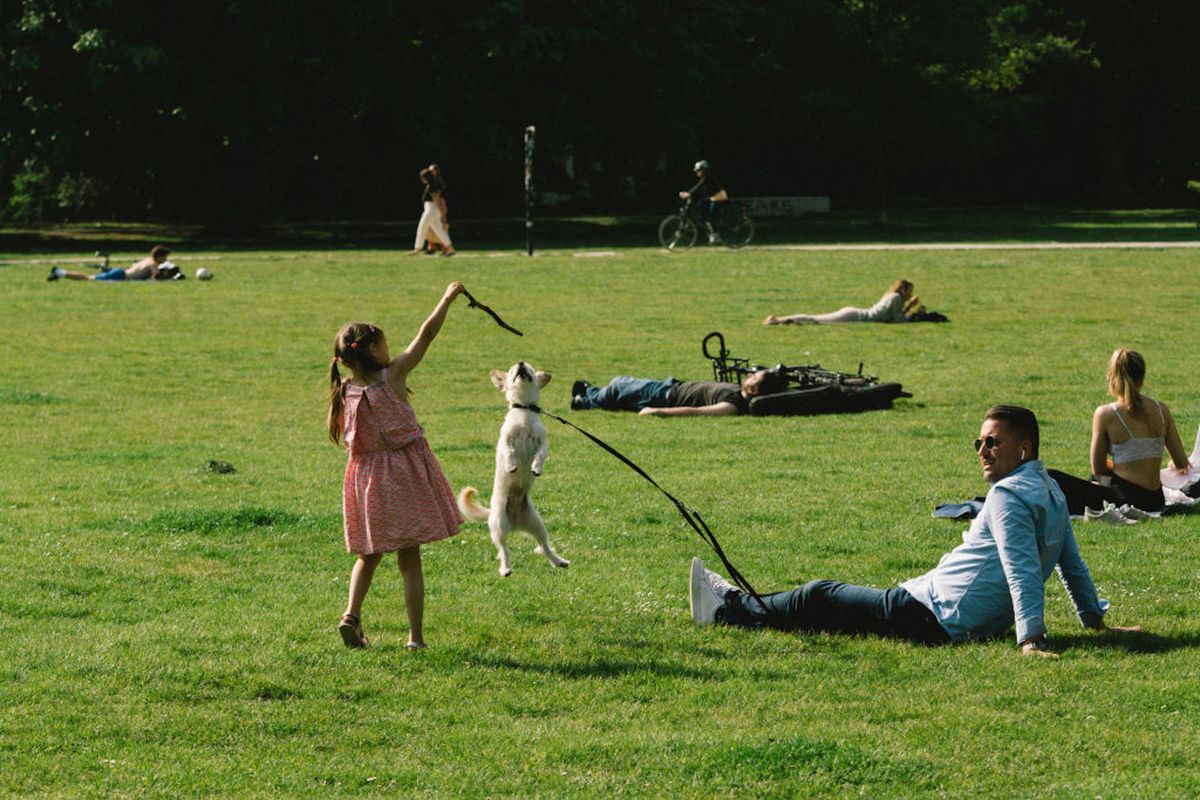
(1138, 496)
(845, 314)
(360, 581)
(409, 560)
(793, 319)
(1081, 494)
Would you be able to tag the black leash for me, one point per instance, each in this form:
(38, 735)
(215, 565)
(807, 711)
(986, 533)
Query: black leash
(690, 515)
(487, 309)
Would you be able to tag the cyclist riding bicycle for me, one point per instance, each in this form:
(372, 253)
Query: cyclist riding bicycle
(708, 191)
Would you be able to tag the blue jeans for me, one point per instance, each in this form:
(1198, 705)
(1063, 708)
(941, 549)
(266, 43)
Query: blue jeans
(837, 607)
(715, 210)
(624, 393)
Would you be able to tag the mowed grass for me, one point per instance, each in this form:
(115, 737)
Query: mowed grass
(170, 631)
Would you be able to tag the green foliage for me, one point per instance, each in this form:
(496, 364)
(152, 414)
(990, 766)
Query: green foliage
(75, 195)
(30, 188)
(170, 631)
(326, 112)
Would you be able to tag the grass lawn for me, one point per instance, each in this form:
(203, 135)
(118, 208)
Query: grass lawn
(170, 631)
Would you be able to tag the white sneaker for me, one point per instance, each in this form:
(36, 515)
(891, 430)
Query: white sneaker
(1109, 513)
(1133, 512)
(706, 593)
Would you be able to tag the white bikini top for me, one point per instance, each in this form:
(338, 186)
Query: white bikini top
(1138, 448)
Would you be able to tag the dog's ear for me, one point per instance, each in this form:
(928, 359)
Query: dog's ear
(499, 379)
(543, 378)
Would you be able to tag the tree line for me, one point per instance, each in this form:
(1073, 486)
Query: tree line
(238, 112)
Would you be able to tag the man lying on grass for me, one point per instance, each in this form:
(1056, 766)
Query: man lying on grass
(144, 270)
(977, 591)
(669, 397)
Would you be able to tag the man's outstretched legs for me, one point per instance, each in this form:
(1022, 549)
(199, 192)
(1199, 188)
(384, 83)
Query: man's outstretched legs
(623, 393)
(816, 606)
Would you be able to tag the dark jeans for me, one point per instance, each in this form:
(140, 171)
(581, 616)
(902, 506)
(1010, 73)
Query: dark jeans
(1081, 493)
(715, 210)
(837, 607)
(625, 393)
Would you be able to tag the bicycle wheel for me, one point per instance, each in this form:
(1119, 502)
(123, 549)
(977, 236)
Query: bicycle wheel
(739, 233)
(677, 232)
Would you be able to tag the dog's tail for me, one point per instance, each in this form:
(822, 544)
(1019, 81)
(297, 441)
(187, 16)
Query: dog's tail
(469, 505)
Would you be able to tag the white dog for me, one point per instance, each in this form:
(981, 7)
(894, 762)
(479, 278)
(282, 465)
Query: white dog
(520, 456)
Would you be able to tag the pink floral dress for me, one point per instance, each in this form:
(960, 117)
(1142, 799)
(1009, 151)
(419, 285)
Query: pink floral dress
(395, 494)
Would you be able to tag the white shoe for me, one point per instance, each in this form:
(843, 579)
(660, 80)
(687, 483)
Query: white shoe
(1110, 514)
(706, 593)
(1133, 512)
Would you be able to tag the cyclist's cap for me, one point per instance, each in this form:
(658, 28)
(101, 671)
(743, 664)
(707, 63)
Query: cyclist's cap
(700, 165)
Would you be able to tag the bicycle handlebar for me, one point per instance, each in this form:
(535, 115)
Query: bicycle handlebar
(722, 353)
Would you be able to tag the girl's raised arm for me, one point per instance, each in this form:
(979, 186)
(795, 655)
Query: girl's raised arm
(407, 361)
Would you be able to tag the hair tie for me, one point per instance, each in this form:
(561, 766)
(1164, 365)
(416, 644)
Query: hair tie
(354, 345)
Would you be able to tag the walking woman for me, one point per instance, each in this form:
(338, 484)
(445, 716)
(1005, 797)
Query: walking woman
(434, 216)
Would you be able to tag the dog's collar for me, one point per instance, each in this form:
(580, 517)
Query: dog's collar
(533, 407)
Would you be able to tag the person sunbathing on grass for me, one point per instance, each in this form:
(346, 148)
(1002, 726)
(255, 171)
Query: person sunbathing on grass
(1129, 438)
(896, 305)
(977, 591)
(144, 270)
(670, 397)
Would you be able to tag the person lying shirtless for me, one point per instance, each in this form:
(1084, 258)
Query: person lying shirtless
(144, 270)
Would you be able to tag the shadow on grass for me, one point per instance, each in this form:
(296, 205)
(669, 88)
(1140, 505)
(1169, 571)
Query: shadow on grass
(242, 518)
(594, 668)
(1145, 642)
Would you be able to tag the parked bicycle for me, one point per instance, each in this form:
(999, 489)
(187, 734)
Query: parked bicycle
(100, 265)
(679, 231)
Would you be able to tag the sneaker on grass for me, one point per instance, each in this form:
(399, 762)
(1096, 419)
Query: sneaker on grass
(1109, 513)
(1133, 512)
(706, 593)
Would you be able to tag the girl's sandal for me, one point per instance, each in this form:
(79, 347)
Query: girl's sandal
(351, 630)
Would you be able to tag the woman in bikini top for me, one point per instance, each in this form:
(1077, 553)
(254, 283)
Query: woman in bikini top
(1135, 430)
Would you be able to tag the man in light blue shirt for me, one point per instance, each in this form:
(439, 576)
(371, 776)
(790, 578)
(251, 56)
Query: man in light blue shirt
(994, 579)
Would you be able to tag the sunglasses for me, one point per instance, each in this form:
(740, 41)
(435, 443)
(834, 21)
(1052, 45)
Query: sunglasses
(989, 442)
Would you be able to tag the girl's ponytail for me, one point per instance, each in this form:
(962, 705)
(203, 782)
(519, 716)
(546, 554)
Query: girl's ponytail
(1126, 372)
(352, 346)
(337, 391)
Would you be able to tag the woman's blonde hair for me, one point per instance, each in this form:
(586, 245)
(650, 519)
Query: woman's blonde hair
(1126, 371)
(901, 286)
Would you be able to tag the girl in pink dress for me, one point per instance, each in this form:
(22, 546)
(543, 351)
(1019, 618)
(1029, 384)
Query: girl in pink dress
(395, 497)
